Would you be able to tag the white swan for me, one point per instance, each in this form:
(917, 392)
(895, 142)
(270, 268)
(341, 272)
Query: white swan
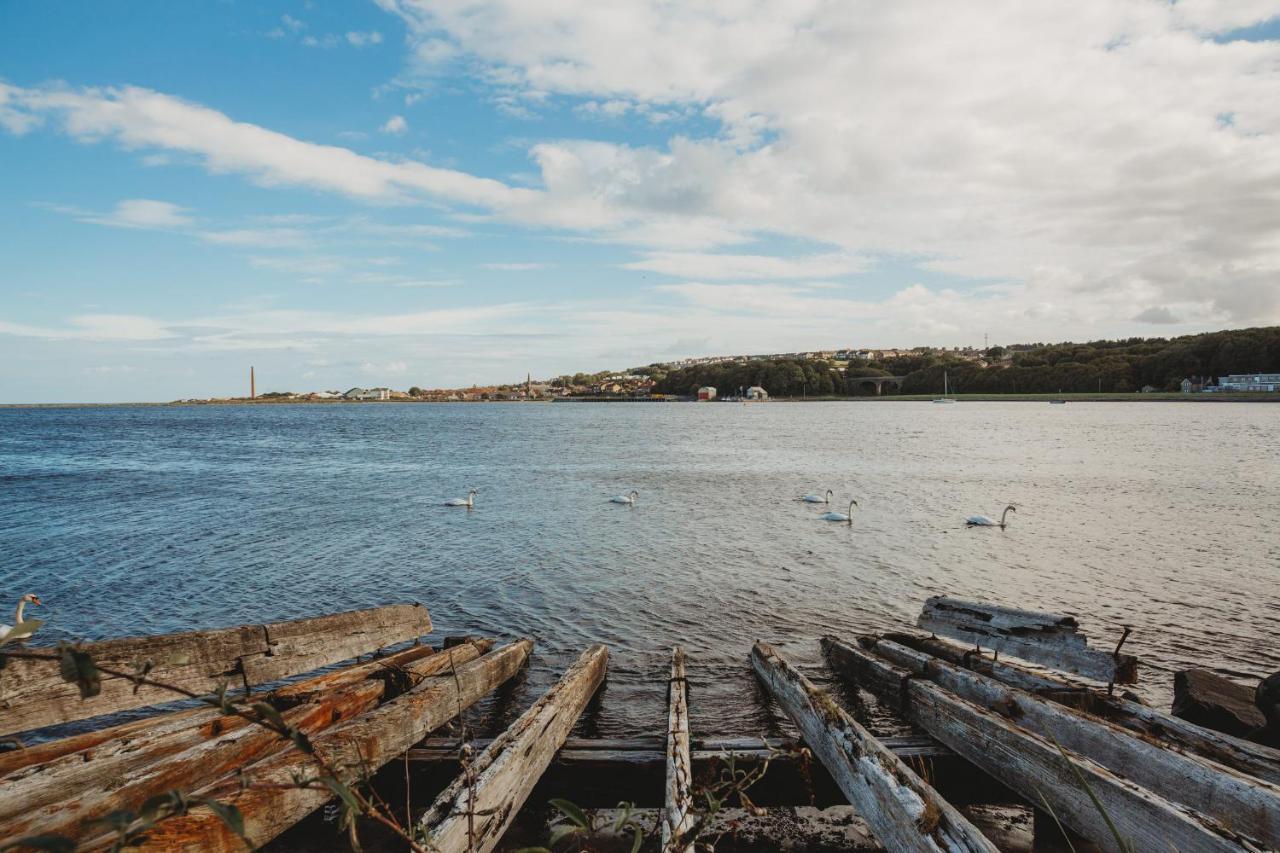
(983, 521)
(29, 598)
(469, 501)
(629, 498)
(840, 516)
(814, 499)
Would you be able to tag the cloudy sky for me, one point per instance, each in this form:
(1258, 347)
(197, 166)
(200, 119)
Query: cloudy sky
(412, 192)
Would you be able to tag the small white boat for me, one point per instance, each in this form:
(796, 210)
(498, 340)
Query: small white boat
(944, 398)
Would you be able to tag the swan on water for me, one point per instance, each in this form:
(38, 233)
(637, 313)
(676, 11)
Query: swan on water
(629, 498)
(840, 516)
(29, 598)
(814, 499)
(469, 501)
(983, 521)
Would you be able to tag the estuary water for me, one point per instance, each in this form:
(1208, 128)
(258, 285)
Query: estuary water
(1162, 516)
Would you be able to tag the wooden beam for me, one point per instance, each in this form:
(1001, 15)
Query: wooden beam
(272, 803)
(1045, 638)
(1245, 756)
(651, 750)
(72, 815)
(1249, 806)
(33, 693)
(190, 751)
(472, 814)
(1036, 768)
(677, 809)
(903, 811)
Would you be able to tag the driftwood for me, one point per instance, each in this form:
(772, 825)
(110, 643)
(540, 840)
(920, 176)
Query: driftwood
(190, 751)
(1207, 699)
(33, 693)
(1245, 756)
(271, 802)
(1041, 637)
(1061, 782)
(903, 811)
(475, 810)
(1249, 806)
(677, 809)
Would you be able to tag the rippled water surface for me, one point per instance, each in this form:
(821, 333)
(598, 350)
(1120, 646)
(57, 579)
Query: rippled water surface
(1158, 515)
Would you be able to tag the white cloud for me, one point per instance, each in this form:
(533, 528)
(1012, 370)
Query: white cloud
(519, 266)
(141, 118)
(395, 125)
(95, 327)
(260, 238)
(364, 39)
(141, 213)
(700, 265)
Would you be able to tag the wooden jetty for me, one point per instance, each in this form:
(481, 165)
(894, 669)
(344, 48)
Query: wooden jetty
(1019, 743)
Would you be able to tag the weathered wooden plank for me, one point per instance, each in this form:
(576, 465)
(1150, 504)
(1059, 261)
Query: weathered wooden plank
(1245, 756)
(651, 750)
(904, 812)
(88, 782)
(1041, 637)
(1249, 806)
(677, 808)
(1039, 770)
(475, 810)
(71, 815)
(33, 694)
(271, 803)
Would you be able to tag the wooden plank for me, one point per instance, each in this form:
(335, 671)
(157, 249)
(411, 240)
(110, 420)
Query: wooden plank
(89, 781)
(904, 812)
(1045, 638)
(677, 808)
(72, 816)
(33, 694)
(1245, 756)
(475, 810)
(271, 803)
(651, 750)
(1036, 768)
(1249, 806)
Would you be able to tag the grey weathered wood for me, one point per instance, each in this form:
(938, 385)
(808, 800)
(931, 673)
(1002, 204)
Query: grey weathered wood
(33, 693)
(271, 803)
(1250, 758)
(1045, 638)
(1036, 768)
(191, 750)
(677, 804)
(904, 812)
(1207, 699)
(1247, 805)
(475, 810)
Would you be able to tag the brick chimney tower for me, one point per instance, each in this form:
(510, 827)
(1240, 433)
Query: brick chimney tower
(253, 390)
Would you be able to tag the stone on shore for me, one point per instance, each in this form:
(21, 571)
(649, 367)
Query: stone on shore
(1217, 703)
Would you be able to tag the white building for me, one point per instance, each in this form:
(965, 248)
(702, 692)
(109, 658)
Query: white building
(706, 393)
(755, 392)
(1249, 382)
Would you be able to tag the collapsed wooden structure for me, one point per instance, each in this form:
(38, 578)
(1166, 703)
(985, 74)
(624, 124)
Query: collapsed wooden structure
(1085, 762)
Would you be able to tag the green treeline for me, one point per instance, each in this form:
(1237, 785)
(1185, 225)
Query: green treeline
(1110, 366)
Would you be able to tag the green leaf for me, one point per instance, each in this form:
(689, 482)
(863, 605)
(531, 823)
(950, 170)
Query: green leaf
(268, 713)
(637, 840)
(572, 811)
(563, 831)
(76, 665)
(55, 843)
(228, 814)
(301, 741)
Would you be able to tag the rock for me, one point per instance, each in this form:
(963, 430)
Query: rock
(1267, 698)
(1209, 700)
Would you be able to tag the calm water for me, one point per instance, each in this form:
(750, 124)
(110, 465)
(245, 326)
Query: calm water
(1159, 515)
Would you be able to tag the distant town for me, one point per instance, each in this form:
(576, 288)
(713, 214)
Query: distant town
(1240, 361)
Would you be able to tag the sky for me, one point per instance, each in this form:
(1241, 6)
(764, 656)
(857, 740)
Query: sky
(446, 192)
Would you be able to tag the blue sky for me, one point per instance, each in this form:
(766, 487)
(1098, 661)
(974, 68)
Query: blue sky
(407, 192)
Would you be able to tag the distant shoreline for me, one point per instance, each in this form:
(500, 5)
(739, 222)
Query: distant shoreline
(1135, 397)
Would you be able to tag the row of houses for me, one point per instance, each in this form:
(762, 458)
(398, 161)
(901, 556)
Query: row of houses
(1233, 382)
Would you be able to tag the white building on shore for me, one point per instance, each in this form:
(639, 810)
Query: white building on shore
(1249, 382)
